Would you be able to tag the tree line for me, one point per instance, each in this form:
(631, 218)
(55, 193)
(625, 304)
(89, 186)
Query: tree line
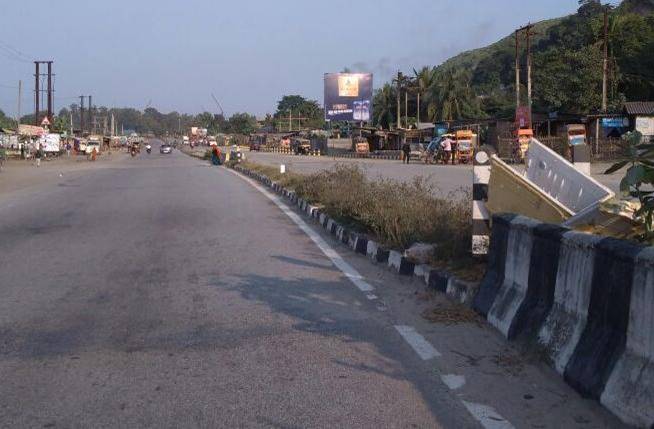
(567, 70)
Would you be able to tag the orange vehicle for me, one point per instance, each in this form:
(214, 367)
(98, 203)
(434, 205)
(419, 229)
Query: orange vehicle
(465, 145)
(521, 144)
(360, 145)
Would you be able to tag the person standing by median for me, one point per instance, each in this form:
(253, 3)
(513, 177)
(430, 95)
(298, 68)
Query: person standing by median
(406, 151)
(38, 156)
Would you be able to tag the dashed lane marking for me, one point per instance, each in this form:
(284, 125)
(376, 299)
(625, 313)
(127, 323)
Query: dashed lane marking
(421, 346)
(487, 416)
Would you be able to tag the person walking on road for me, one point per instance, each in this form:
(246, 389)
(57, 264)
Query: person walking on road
(38, 156)
(406, 150)
(446, 145)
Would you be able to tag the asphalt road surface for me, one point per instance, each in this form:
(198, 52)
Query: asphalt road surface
(164, 292)
(445, 178)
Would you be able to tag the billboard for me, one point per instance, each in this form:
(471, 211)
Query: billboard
(348, 97)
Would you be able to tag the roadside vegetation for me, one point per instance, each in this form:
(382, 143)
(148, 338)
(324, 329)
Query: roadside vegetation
(397, 214)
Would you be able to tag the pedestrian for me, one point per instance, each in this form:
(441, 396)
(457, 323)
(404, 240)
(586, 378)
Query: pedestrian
(446, 145)
(94, 154)
(406, 150)
(22, 151)
(215, 156)
(38, 155)
(68, 148)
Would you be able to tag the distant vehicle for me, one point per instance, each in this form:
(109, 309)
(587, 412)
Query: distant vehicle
(465, 144)
(300, 146)
(165, 148)
(94, 142)
(417, 151)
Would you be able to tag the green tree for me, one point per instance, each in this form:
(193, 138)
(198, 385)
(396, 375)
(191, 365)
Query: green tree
(242, 123)
(384, 106)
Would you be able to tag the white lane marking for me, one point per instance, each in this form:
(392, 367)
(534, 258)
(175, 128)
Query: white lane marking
(487, 416)
(417, 342)
(453, 381)
(349, 272)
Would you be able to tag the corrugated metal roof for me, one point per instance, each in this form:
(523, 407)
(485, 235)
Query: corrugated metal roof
(639, 107)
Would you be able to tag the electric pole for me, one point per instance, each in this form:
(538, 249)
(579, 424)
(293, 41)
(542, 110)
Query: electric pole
(528, 35)
(399, 82)
(81, 114)
(37, 92)
(605, 67)
(20, 95)
(50, 93)
(517, 69)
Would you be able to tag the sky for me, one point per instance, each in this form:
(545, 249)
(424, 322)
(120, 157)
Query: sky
(173, 54)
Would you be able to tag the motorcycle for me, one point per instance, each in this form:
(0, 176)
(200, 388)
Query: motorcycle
(148, 149)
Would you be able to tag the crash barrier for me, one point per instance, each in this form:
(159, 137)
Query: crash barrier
(587, 301)
(550, 188)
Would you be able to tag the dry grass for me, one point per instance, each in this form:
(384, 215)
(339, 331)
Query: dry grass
(398, 214)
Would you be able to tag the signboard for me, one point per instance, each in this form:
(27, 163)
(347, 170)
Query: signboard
(618, 122)
(348, 97)
(645, 125)
(50, 142)
(522, 117)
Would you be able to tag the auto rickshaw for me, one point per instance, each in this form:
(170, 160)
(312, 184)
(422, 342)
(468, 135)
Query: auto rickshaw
(300, 146)
(361, 146)
(465, 142)
(521, 144)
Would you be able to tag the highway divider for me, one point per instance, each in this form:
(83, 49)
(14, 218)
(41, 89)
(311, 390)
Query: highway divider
(441, 280)
(586, 301)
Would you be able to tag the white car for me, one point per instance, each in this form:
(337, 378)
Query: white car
(166, 148)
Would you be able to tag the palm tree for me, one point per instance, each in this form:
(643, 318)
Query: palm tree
(423, 80)
(451, 97)
(384, 105)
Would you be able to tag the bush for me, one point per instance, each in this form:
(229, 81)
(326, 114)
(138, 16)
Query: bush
(397, 213)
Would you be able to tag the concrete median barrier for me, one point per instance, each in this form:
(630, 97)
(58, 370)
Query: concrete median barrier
(629, 392)
(604, 337)
(513, 289)
(566, 321)
(494, 277)
(588, 301)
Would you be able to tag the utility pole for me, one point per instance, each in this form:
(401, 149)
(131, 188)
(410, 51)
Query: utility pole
(418, 111)
(91, 115)
(528, 35)
(290, 122)
(37, 92)
(50, 95)
(20, 95)
(81, 114)
(399, 117)
(113, 124)
(406, 108)
(517, 69)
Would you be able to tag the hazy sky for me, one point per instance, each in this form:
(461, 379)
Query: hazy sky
(175, 53)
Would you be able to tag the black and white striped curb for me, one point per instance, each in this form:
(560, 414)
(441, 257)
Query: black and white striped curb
(440, 280)
(588, 301)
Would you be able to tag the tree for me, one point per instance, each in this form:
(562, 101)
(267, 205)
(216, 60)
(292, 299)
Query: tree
(242, 123)
(452, 98)
(384, 106)
(298, 106)
(6, 121)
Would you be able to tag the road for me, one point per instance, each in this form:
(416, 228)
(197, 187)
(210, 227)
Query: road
(445, 178)
(163, 292)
